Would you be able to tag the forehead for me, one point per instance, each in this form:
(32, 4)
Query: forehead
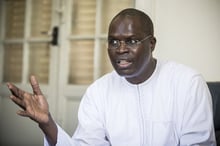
(126, 25)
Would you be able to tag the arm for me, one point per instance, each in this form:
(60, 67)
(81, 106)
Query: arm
(35, 107)
(91, 128)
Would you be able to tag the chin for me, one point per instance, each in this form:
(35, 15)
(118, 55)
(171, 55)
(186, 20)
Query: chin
(126, 74)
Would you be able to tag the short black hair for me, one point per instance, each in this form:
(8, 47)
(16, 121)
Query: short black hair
(146, 21)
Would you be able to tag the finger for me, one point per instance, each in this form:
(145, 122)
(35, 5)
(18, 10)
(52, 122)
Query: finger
(35, 85)
(16, 91)
(23, 113)
(26, 114)
(18, 101)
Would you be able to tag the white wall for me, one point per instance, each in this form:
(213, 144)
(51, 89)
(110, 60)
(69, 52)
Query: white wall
(187, 31)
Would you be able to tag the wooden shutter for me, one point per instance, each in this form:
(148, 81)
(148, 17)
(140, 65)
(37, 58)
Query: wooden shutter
(39, 53)
(88, 51)
(13, 48)
(26, 38)
(12, 62)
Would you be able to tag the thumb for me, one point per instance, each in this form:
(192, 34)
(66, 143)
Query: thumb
(35, 86)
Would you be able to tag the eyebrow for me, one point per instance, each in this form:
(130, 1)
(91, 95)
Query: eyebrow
(126, 37)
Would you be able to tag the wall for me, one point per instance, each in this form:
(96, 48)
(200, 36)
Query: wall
(187, 31)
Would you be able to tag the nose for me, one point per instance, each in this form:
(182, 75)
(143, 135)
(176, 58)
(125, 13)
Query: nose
(123, 47)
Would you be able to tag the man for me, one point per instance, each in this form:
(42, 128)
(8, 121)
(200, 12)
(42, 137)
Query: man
(144, 102)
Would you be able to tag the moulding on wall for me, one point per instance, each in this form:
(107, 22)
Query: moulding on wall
(148, 6)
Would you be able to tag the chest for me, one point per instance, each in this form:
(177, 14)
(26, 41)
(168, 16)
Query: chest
(142, 116)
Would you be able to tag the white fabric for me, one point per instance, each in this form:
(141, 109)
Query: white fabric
(172, 108)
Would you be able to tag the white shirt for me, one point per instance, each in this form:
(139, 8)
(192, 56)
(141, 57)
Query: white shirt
(172, 108)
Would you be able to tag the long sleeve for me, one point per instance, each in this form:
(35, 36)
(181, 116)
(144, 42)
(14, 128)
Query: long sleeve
(63, 139)
(91, 127)
(90, 130)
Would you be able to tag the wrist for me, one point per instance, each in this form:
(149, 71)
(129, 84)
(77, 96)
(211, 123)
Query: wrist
(46, 123)
(50, 130)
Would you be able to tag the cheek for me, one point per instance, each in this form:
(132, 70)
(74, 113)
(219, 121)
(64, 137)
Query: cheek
(111, 55)
(142, 57)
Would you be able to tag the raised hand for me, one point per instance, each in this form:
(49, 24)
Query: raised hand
(34, 104)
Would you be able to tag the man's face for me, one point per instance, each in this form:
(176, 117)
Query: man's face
(132, 62)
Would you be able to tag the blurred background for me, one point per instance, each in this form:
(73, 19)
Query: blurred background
(63, 43)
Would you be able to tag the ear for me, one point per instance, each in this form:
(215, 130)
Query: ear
(153, 41)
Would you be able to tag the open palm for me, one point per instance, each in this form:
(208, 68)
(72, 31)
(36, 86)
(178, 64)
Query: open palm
(34, 104)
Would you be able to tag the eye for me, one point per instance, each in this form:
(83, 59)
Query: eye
(132, 42)
(113, 42)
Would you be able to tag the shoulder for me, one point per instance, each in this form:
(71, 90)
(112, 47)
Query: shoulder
(105, 82)
(107, 79)
(99, 90)
(177, 67)
(177, 70)
(178, 75)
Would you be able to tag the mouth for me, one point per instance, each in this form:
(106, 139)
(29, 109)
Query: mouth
(123, 63)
